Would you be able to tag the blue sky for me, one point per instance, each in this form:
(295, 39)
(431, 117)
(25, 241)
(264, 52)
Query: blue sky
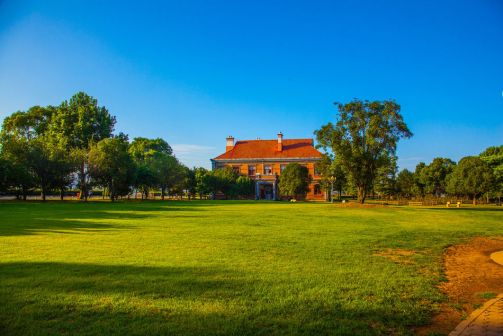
(193, 72)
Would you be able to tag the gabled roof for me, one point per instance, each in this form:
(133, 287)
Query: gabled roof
(267, 149)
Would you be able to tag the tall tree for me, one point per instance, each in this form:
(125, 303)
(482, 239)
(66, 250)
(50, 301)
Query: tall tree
(493, 156)
(76, 125)
(144, 153)
(385, 182)
(434, 175)
(111, 166)
(405, 183)
(294, 181)
(203, 183)
(333, 177)
(472, 177)
(363, 138)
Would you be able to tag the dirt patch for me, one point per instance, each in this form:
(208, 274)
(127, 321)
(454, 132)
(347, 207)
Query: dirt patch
(472, 279)
(359, 205)
(398, 256)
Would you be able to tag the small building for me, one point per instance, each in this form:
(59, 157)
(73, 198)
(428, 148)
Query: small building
(264, 160)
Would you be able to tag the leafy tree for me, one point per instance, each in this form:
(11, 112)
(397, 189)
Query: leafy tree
(294, 181)
(472, 177)
(76, 125)
(34, 161)
(144, 153)
(385, 182)
(405, 183)
(244, 187)
(111, 166)
(434, 175)
(493, 156)
(419, 187)
(332, 175)
(203, 181)
(168, 171)
(223, 181)
(363, 139)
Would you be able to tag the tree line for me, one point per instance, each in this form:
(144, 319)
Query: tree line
(360, 158)
(55, 148)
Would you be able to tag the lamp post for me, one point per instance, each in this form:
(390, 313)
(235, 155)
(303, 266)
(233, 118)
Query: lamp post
(332, 180)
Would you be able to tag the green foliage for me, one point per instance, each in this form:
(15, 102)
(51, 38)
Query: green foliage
(405, 183)
(385, 184)
(493, 156)
(472, 177)
(363, 139)
(203, 182)
(434, 176)
(224, 181)
(332, 175)
(111, 166)
(294, 181)
(149, 155)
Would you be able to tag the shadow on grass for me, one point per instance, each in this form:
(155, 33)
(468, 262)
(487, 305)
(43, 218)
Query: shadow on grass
(57, 298)
(25, 218)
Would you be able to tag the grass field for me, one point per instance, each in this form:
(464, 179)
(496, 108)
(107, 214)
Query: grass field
(242, 268)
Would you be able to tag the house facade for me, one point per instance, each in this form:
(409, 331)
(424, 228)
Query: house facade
(264, 160)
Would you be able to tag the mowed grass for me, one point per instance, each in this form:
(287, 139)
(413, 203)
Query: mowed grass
(210, 268)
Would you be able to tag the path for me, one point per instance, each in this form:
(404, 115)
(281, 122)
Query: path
(488, 320)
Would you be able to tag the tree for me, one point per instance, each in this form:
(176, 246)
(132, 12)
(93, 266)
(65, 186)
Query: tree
(144, 153)
(493, 156)
(363, 138)
(78, 124)
(294, 181)
(471, 177)
(168, 171)
(434, 175)
(111, 166)
(385, 182)
(405, 183)
(203, 181)
(224, 180)
(332, 175)
(34, 159)
(419, 187)
(245, 187)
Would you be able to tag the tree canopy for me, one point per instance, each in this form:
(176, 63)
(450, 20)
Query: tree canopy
(363, 139)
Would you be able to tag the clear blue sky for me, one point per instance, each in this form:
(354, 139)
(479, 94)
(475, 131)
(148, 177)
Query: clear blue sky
(193, 72)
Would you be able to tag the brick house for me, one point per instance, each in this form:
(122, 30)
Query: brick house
(264, 160)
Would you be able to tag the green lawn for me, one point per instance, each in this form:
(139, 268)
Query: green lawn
(224, 267)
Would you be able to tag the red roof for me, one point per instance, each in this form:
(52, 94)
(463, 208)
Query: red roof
(267, 149)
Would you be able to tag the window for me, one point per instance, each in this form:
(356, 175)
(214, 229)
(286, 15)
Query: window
(251, 170)
(267, 170)
(236, 169)
(282, 167)
(317, 189)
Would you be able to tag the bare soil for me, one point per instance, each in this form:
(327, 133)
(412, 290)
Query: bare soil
(472, 279)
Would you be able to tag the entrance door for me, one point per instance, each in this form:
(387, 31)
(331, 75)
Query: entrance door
(266, 192)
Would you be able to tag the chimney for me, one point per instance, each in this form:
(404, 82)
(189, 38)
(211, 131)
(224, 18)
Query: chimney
(280, 142)
(230, 143)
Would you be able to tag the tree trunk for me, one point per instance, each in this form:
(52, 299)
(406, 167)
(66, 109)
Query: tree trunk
(83, 184)
(43, 194)
(61, 193)
(362, 194)
(162, 193)
(474, 201)
(24, 191)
